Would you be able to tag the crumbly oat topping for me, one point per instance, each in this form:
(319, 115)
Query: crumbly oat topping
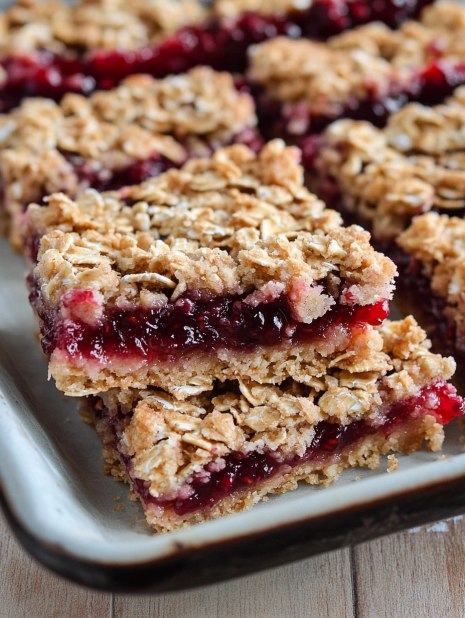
(361, 62)
(226, 225)
(437, 242)
(414, 165)
(170, 441)
(175, 116)
(233, 8)
(92, 24)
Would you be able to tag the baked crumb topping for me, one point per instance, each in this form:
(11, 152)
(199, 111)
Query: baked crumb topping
(324, 78)
(176, 117)
(233, 187)
(359, 62)
(169, 441)
(414, 165)
(229, 224)
(437, 242)
(90, 24)
(133, 118)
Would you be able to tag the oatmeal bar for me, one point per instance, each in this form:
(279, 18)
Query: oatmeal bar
(434, 246)
(224, 451)
(119, 137)
(50, 48)
(365, 73)
(225, 269)
(388, 180)
(386, 177)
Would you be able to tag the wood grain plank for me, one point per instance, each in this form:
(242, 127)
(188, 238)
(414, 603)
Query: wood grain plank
(29, 591)
(413, 574)
(320, 586)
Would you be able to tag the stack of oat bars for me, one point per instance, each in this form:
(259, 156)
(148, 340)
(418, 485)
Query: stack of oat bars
(228, 334)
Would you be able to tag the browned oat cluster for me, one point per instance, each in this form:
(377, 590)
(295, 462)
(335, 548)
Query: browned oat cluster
(413, 165)
(359, 62)
(92, 24)
(175, 117)
(168, 441)
(437, 131)
(437, 243)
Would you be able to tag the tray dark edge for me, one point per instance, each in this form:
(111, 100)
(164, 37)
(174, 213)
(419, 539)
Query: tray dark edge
(220, 561)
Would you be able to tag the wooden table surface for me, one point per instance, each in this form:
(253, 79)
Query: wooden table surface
(420, 573)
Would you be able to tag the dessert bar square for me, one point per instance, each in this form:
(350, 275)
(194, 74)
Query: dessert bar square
(223, 451)
(386, 177)
(388, 180)
(119, 137)
(224, 269)
(50, 48)
(365, 73)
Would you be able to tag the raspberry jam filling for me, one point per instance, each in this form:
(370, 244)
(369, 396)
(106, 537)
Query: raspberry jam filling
(247, 471)
(187, 324)
(221, 44)
(293, 121)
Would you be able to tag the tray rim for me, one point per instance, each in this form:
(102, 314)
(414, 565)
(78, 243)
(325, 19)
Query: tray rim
(186, 567)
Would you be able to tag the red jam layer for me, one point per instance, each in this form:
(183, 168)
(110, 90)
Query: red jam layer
(220, 44)
(294, 121)
(187, 324)
(246, 471)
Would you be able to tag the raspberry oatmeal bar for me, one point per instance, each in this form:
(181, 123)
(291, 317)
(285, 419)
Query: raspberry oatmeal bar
(386, 177)
(389, 179)
(50, 48)
(225, 269)
(119, 137)
(366, 73)
(223, 451)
